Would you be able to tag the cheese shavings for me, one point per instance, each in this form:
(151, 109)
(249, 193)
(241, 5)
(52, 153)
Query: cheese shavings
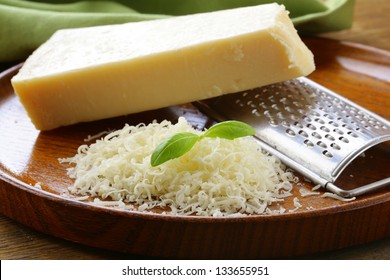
(337, 197)
(305, 192)
(218, 177)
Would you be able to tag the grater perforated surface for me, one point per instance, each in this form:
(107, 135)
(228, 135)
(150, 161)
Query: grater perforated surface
(305, 122)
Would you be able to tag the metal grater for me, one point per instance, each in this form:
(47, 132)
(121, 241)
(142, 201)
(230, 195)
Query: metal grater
(310, 128)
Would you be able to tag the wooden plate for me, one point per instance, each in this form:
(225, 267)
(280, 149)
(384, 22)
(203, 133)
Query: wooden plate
(28, 156)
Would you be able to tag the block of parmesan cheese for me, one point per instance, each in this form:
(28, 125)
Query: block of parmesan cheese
(92, 73)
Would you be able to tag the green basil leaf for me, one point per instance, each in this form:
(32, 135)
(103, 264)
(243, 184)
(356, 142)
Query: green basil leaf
(229, 130)
(180, 143)
(173, 147)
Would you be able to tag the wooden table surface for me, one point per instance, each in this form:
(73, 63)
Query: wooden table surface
(371, 27)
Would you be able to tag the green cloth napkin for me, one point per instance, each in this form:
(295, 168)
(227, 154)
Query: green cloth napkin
(24, 25)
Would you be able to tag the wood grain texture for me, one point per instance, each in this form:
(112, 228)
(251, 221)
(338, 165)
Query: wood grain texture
(370, 28)
(29, 157)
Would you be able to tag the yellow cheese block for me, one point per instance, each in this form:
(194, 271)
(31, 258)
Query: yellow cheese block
(93, 73)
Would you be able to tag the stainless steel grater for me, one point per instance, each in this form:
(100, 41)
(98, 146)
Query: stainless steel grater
(310, 128)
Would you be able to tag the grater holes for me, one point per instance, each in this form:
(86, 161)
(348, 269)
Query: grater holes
(250, 103)
(297, 104)
(280, 115)
(308, 143)
(308, 107)
(239, 103)
(328, 116)
(263, 105)
(298, 124)
(343, 139)
(359, 117)
(327, 154)
(303, 133)
(338, 131)
(316, 114)
(316, 135)
(322, 144)
(273, 122)
(324, 128)
(290, 132)
(283, 100)
(330, 137)
(272, 100)
(375, 124)
(335, 146)
(353, 134)
(256, 113)
(312, 127)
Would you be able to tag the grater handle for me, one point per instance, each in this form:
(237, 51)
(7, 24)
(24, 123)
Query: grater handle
(358, 191)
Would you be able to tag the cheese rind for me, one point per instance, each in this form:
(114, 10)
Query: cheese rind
(94, 73)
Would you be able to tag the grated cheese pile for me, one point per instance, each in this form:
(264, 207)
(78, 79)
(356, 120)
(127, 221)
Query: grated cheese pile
(217, 177)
